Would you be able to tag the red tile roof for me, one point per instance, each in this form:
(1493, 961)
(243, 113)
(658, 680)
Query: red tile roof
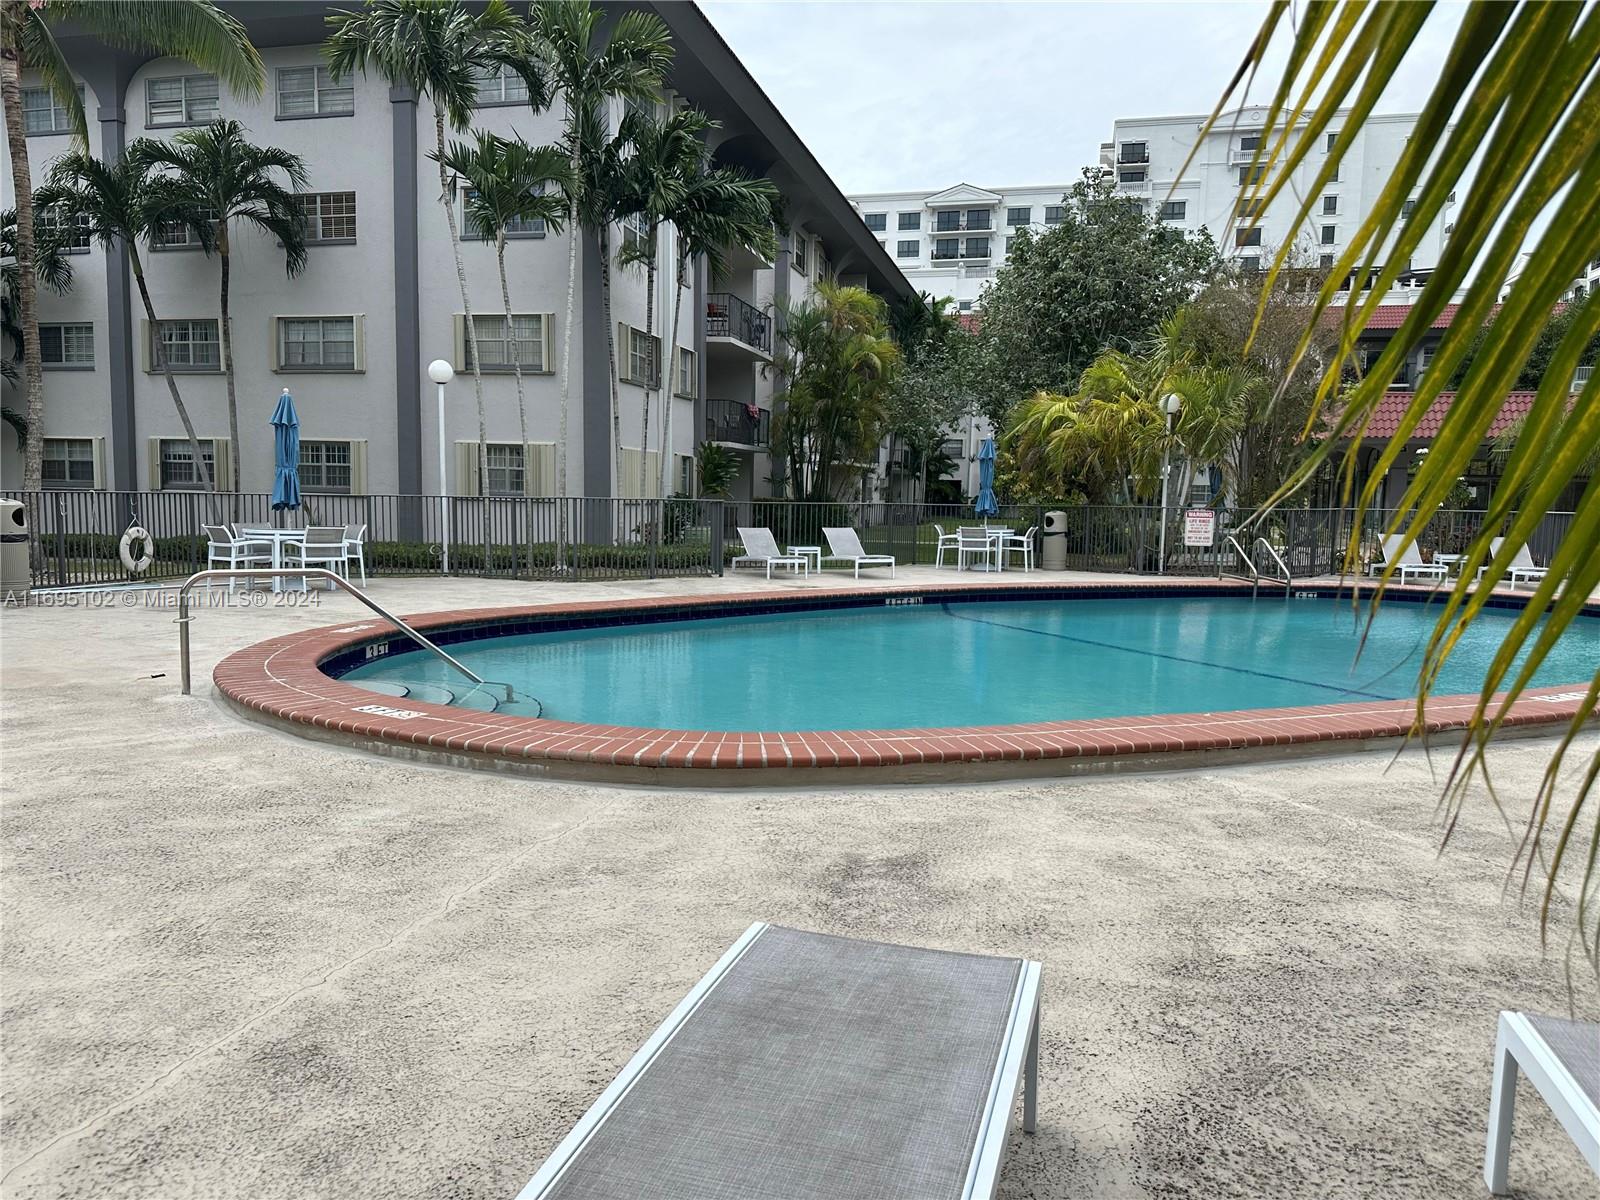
(1392, 316)
(1386, 417)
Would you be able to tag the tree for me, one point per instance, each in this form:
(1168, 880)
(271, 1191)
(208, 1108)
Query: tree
(932, 393)
(629, 65)
(840, 362)
(51, 267)
(221, 180)
(510, 181)
(120, 204)
(717, 467)
(1517, 89)
(194, 30)
(1106, 276)
(1539, 357)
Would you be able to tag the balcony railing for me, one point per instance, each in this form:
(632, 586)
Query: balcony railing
(736, 422)
(1132, 158)
(730, 317)
(983, 225)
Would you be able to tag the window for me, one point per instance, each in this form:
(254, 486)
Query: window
(499, 86)
(877, 222)
(67, 346)
(316, 343)
(635, 230)
(952, 448)
(1325, 261)
(1248, 209)
(640, 356)
(688, 374)
(1010, 242)
(947, 220)
(1424, 357)
(965, 306)
(1406, 209)
(977, 247)
(908, 249)
(1330, 234)
(178, 235)
(1334, 177)
(1134, 152)
(68, 463)
(1251, 175)
(325, 467)
(1054, 214)
(524, 348)
(797, 255)
(1134, 176)
(73, 236)
(685, 475)
(822, 264)
(180, 100)
(977, 218)
(1019, 216)
(330, 217)
(1250, 264)
(912, 220)
(42, 113)
(189, 346)
(1327, 146)
(1330, 206)
(311, 92)
(1247, 237)
(507, 469)
(177, 462)
(946, 247)
(1250, 141)
(1174, 210)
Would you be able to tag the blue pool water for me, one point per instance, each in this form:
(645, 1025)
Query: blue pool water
(936, 664)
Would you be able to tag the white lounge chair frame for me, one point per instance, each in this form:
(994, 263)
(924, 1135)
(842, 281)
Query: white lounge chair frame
(761, 547)
(947, 541)
(1522, 566)
(1409, 563)
(1017, 1070)
(1519, 1045)
(845, 546)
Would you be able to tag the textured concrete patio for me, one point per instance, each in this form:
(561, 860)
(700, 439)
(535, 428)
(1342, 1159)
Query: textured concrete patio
(241, 964)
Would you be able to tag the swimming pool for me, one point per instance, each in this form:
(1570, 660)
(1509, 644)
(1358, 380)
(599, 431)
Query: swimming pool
(951, 662)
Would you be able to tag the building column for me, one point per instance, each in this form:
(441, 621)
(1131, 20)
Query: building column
(407, 312)
(120, 323)
(594, 396)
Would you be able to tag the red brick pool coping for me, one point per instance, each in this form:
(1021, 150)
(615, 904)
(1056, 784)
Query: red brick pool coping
(281, 680)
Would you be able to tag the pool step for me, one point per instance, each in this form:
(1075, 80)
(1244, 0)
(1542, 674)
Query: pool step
(434, 693)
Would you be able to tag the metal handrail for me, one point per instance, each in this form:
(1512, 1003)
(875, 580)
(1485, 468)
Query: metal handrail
(304, 573)
(1278, 558)
(1255, 575)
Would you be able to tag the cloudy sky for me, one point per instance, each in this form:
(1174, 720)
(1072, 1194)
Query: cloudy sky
(929, 93)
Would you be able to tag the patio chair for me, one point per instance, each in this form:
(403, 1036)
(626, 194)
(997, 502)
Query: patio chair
(1019, 543)
(1408, 563)
(947, 541)
(845, 546)
(1522, 566)
(355, 538)
(1561, 1059)
(976, 541)
(226, 549)
(809, 1065)
(761, 547)
(322, 546)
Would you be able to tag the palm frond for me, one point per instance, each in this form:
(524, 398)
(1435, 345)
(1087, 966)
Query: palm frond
(196, 31)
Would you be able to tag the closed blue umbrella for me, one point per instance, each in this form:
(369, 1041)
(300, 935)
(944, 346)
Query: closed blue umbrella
(986, 506)
(285, 454)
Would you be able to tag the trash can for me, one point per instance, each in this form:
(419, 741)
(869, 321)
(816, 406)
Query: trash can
(1053, 554)
(16, 578)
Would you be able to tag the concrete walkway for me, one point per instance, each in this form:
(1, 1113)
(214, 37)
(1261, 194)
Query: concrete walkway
(238, 964)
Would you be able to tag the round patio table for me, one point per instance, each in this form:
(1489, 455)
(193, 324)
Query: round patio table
(279, 539)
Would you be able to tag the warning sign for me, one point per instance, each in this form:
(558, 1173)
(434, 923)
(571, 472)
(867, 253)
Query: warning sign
(1199, 527)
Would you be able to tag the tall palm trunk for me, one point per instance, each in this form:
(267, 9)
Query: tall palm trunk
(516, 370)
(611, 359)
(471, 331)
(573, 234)
(649, 392)
(666, 415)
(27, 279)
(227, 368)
(159, 350)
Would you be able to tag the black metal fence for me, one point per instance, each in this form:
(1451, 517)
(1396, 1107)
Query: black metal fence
(75, 535)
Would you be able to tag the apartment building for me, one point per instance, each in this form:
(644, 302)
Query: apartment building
(351, 336)
(1146, 155)
(951, 242)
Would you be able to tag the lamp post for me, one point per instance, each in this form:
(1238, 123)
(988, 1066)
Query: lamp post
(442, 373)
(1170, 404)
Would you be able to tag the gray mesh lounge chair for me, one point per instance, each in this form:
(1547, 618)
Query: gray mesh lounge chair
(1562, 1060)
(1408, 563)
(845, 546)
(760, 547)
(805, 1065)
(1522, 564)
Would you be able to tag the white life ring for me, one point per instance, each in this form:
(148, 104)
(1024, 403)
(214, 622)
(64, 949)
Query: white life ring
(137, 533)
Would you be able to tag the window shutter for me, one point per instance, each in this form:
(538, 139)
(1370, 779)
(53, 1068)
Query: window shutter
(275, 340)
(99, 463)
(459, 326)
(546, 324)
(153, 459)
(146, 357)
(358, 467)
(467, 482)
(628, 485)
(539, 479)
(360, 323)
(222, 464)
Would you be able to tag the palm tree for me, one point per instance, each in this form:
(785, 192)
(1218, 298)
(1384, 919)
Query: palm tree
(120, 204)
(218, 175)
(1517, 88)
(510, 181)
(630, 65)
(436, 48)
(194, 30)
(51, 267)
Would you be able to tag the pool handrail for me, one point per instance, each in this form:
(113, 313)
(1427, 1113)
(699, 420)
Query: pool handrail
(1278, 558)
(306, 573)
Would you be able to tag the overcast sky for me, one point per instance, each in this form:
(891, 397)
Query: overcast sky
(927, 94)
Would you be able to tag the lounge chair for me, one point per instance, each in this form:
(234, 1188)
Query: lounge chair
(1562, 1060)
(845, 546)
(809, 1065)
(761, 547)
(1408, 563)
(1522, 566)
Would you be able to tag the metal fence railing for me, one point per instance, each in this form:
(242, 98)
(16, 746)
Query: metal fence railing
(74, 535)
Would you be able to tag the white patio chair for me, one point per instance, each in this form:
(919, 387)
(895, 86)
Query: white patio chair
(1407, 562)
(225, 549)
(947, 541)
(355, 537)
(761, 547)
(845, 546)
(322, 546)
(1561, 1059)
(976, 541)
(1019, 543)
(1522, 566)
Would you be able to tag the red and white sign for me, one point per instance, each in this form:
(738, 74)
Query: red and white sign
(1199, 527)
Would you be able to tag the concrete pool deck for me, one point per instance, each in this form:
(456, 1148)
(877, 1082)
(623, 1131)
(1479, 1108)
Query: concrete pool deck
(238, 963)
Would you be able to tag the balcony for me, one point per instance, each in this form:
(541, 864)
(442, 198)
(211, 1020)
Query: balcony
(1133, 158)
(982, 225)
(1243, 158)
(733, 423)
(737, 329)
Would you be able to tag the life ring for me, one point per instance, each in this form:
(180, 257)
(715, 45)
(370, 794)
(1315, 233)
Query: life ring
(137, 533)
